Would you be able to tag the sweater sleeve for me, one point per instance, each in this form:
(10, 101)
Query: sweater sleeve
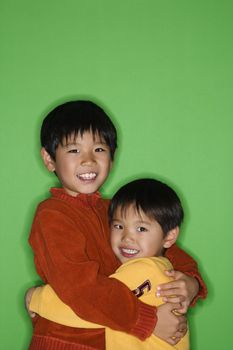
(62, 260)
(47, 304)
(138, 275)
(183, 262)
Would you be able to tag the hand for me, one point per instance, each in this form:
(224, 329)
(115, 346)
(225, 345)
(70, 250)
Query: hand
(182, 290)
(169, 326)
(27, 300)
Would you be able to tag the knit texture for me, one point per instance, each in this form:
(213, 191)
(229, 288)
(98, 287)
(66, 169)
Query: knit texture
(49, 343)
(70, 240)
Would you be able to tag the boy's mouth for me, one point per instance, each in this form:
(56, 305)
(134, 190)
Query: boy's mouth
(129, 252)
(87, 176)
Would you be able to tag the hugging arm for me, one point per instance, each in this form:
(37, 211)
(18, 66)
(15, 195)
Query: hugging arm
(188, 284)
(62, 261)
(47, 304)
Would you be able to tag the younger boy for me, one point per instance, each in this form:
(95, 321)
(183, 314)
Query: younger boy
(70, 236)
(145, 216)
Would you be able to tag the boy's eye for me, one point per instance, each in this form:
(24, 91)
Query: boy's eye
(99, 149)
(118, 226)
(74, 150)
(141, 229)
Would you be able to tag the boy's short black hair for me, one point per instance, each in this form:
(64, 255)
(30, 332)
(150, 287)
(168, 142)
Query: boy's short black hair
(154, 198)
(73, 118)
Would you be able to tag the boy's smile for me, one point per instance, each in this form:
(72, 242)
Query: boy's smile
(135, 235)
(82, 163)
(128, 252)
(87, 176)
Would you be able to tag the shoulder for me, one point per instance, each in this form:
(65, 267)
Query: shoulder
(161, 263)
(53, 204)
(55, 210)
(147, 263)
(144, 269)
(137, 270)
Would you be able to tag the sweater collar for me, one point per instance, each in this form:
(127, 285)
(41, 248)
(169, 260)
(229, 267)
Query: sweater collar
(81, 198)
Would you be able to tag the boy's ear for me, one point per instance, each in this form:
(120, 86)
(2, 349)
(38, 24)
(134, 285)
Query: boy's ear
(171, 237)
(47, 159)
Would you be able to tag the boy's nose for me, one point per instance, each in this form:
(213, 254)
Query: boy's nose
(127, 237)
(87, 159)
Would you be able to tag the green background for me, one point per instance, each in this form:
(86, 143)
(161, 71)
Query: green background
(163, 70)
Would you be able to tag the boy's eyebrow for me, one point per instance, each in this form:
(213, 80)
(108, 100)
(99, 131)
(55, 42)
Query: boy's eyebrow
(100, 143)
(143, 222)
(72, 143)
(137, 222)
(75, 143)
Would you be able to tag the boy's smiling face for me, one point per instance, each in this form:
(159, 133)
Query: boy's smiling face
(135, 235)
(82, 163)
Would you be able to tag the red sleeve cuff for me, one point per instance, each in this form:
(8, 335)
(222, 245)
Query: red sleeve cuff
(202, 294)
(146, 322)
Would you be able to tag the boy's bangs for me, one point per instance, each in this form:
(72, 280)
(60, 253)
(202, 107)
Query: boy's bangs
(124, 207)
(70, 137)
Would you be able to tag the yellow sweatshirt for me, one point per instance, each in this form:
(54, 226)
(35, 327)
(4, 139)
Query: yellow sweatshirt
(142, 276)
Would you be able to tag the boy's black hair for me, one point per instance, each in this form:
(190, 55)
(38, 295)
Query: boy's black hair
(73, 118)
(154, 198)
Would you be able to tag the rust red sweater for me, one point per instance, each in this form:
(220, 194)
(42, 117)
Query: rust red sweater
(70, 240)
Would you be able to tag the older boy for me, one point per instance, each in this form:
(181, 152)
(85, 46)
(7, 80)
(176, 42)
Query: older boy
(145, 216)
(70, 236)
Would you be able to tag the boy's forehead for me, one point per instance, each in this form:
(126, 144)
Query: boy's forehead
(130, 213)
(124, 211)
(77, 137)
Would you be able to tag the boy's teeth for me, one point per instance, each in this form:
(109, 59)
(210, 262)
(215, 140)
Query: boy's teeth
(87, 176)
(129, 251)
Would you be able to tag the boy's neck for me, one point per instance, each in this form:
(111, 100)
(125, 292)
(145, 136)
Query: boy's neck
(88, 199)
